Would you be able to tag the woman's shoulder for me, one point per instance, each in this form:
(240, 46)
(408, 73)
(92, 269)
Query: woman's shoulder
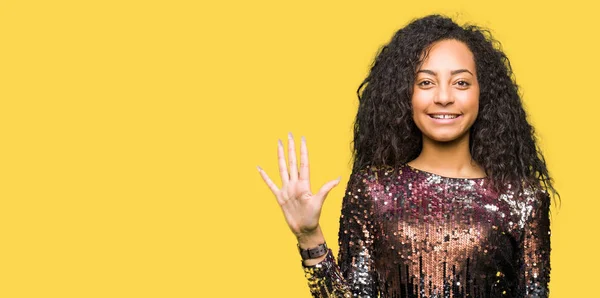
(527, 197)
(378, 172)
(377, 176)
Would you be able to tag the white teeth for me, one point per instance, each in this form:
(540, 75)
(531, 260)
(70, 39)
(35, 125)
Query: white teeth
(444, 116)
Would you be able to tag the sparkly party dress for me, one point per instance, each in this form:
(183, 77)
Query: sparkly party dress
(405, 232)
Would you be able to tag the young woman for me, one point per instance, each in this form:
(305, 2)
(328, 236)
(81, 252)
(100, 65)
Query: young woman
(449, 194)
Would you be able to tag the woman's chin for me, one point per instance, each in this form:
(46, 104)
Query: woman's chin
(446, 138)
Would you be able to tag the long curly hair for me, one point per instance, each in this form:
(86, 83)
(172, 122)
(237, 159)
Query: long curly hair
(501, 139)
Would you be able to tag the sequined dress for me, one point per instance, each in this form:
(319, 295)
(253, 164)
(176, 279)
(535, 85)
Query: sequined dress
(410, 233)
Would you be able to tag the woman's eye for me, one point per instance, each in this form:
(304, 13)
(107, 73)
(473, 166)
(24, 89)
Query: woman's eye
(425, 83)
(463, 83)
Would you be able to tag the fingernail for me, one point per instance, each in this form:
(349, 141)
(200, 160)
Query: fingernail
(259, 168)
(290, 135)
(303, 139)
(279, 142)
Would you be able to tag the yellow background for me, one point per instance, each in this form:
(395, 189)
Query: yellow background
(131, 130)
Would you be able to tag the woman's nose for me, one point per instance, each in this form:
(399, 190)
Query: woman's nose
(443, 96)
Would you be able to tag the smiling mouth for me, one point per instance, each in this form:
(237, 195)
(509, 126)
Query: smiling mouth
(444, 116)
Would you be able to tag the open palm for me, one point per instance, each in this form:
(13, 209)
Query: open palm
(300, 206)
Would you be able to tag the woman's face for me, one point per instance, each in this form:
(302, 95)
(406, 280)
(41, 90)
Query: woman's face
(445, 97)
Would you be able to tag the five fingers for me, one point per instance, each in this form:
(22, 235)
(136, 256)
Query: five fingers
(292, 174)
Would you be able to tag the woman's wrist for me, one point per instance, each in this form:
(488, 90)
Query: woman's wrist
(315, 261)
(313, 253)
(311, 240)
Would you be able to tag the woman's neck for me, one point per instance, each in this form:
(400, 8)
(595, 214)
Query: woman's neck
(449, 159)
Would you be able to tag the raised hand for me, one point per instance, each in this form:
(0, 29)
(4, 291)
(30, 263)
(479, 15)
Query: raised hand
(300, 206)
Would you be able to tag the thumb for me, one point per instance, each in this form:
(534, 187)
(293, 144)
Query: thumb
(326, 188)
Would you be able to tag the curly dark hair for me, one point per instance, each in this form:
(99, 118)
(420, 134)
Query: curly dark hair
(501, 139)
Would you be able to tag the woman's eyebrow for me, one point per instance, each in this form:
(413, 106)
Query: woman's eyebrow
(433, 73)
(460, 71)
